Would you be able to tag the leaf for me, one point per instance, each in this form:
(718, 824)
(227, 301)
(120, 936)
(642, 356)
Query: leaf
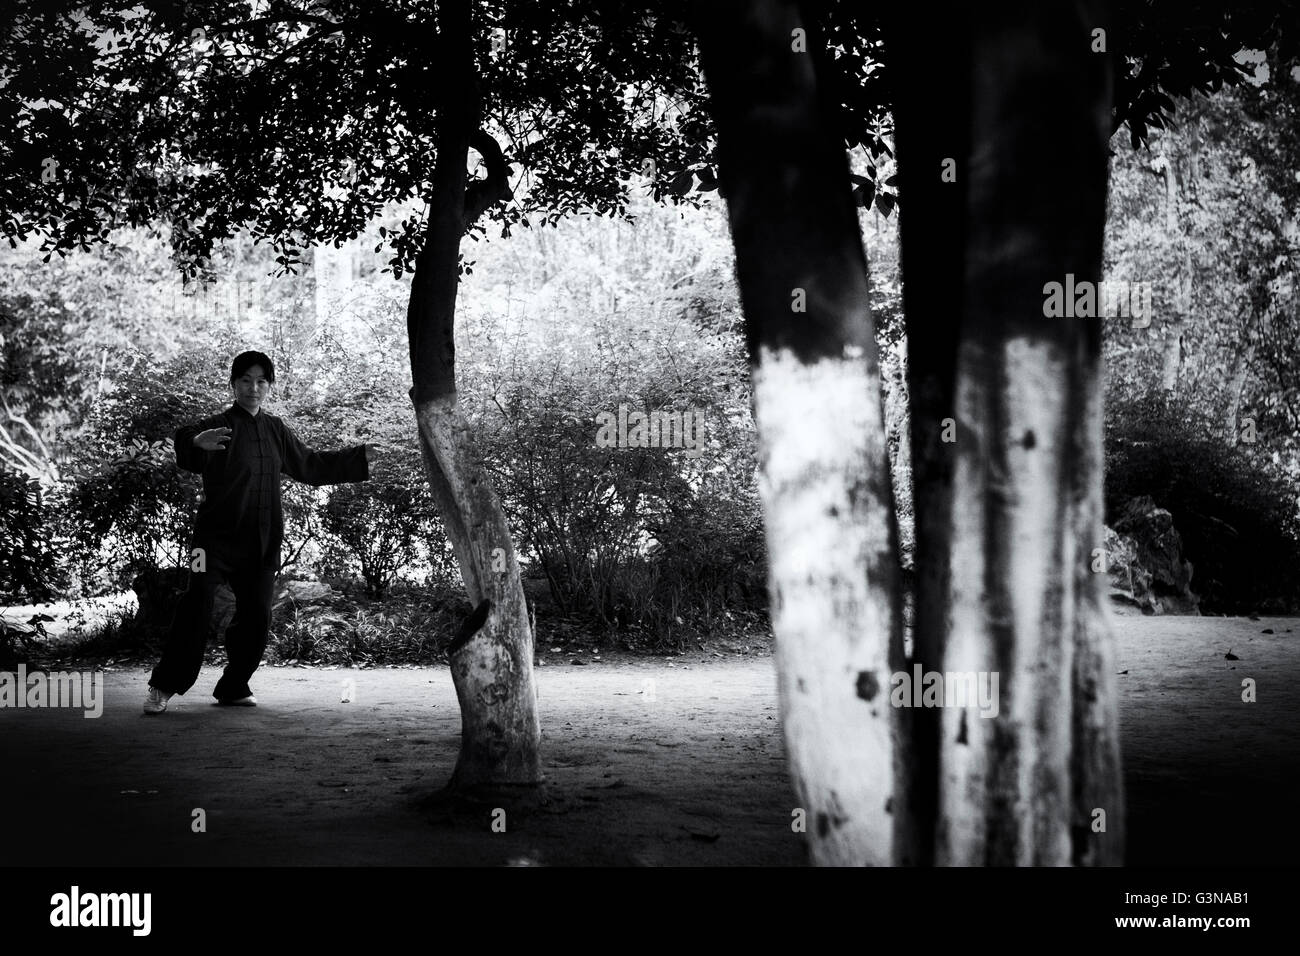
(682, 183)
(885, 203)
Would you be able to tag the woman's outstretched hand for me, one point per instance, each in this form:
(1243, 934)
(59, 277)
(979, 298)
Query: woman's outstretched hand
(214, 439)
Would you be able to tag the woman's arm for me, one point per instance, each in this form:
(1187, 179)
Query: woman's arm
(320, 467)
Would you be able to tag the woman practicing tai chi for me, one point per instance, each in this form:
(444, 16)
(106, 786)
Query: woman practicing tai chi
(241, 454)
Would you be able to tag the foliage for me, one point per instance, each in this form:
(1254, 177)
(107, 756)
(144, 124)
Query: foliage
(648, 541)
(1222, 259)
(302, 124)
(129, 508)
(411, 627)
(28, 564)
(1169, 49)
(382, 523)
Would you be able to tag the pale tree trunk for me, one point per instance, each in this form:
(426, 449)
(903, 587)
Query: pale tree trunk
(1236, 385)
(824, 468)
(1171, 353)
(1024, 787)
(492, 667)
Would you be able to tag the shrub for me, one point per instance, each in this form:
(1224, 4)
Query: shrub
(633, 539)
(27, 549)
(130, 508)
(381, 523)
(413, 630)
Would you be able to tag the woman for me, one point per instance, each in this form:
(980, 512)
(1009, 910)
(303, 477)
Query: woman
(241, 454)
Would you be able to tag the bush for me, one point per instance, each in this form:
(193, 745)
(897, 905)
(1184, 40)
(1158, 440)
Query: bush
(1235, 512)
(129, 507)
(381, 528)
(382, 523)
(27, 549)
(648, 540)
(415, 629)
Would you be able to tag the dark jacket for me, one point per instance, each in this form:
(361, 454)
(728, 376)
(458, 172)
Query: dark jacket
(240, 518)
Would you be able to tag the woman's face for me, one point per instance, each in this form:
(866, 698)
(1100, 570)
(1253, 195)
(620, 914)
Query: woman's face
(251, 389)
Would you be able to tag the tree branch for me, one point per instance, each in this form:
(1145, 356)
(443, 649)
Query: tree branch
(302, 45)
(483, 193)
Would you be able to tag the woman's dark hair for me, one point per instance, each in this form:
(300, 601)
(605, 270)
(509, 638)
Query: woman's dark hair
(246, 360)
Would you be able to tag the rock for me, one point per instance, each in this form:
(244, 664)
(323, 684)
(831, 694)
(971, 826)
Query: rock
(1157, 550)
(304, 592)
(157, 592)
(1130, 583)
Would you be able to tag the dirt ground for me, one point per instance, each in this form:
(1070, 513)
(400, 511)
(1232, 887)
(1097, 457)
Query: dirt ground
(652, 761)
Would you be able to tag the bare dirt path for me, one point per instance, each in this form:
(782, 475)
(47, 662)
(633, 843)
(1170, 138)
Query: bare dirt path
(648, 762)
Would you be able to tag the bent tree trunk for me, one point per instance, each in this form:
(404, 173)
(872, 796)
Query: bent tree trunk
(493, 670)
(824, 466)
(1039, 783)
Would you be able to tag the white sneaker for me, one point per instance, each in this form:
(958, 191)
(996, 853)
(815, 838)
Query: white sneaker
(156, 702)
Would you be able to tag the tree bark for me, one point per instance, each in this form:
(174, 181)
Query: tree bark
(824, 467)
(1171, 352)
(1236, 385)
(931, 137)
(1022, 787)
(492, 669)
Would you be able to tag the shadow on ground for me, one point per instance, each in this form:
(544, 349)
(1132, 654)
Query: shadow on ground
(647, 763)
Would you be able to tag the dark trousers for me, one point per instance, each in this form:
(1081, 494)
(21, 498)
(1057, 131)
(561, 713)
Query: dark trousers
(245, 637)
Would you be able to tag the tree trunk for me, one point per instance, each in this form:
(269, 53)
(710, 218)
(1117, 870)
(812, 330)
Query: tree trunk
(1171, 351)
(824, 468)
(1236, 385)
(932, 137)
(1022, 787)
(493, 670)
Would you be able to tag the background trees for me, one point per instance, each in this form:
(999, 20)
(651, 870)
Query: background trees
(1200, 408)
(296, 124)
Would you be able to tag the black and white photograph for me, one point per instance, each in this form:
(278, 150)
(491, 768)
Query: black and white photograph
(723, 435)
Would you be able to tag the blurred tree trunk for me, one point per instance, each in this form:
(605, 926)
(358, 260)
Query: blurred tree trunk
(824, 465)
(932, 143)
(493, 671)
(1023, 497)
(1008, 516)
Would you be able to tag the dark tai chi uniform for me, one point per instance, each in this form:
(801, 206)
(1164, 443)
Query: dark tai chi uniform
(240, 528)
